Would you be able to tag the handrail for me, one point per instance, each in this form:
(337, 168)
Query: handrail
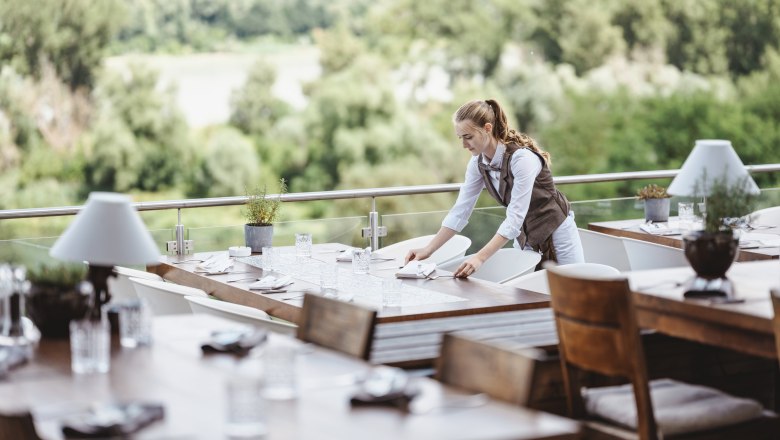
(354, 193)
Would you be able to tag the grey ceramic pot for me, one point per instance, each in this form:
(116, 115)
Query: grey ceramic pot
(657, 210)
(257, 237)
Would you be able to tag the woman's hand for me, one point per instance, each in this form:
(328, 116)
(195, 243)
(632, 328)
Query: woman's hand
(468, 267)
(417, 254)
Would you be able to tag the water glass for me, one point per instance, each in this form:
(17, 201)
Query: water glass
(135, 323)
(685, 213)
(245, 418)
(329, 280)
(90, 346)
(269, 258)
(391, 292)
(279, 381)
(361, 261)
(303, 244)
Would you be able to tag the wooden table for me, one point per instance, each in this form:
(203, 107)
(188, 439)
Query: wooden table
(745, 327)
(630, 229)
(191, 387)
(405, 336)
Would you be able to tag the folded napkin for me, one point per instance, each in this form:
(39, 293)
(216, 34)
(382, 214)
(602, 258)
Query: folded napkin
(232, 342)
(216, 264)
(416, 269)
(385, 386)
(660, 229)
(114, 420)
(271, 282)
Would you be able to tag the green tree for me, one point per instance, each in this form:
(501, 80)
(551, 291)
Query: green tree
(254, 109)
(70, 34)
(226, 167)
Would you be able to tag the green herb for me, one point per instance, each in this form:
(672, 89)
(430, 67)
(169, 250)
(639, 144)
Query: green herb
(65, 275)
(652, 191)
(726, 203)
(260, 209)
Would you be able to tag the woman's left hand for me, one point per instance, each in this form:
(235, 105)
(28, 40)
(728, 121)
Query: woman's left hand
(468, 267)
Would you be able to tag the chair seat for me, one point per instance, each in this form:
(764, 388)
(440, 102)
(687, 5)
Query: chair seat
(679, 407)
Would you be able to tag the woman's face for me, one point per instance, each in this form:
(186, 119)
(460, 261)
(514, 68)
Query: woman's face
(474, 138)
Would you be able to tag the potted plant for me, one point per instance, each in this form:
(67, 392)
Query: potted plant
(55, 297)
(656, 202)
(260, 213)
(712, 250)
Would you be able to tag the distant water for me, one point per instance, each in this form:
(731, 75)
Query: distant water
(205, 81)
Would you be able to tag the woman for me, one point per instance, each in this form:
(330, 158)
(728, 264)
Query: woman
(516, 173)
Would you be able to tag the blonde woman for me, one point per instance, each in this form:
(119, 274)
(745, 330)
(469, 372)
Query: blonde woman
(515, 171)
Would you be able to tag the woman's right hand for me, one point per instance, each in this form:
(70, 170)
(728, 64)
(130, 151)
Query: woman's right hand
(417, 254)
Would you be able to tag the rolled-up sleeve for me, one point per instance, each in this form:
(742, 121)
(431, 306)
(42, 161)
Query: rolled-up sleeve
(458, 217)
(525, 167)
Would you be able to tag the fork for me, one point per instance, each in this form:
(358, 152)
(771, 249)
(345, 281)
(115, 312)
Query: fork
(433, 277)
(242, 279)
(191, 260)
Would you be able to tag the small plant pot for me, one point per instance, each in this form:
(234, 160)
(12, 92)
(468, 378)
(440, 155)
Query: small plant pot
(258, 237)
(657, 210)
(710, 254)
(52, 308)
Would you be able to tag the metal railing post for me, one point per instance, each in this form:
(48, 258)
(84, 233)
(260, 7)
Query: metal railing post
(374, 231)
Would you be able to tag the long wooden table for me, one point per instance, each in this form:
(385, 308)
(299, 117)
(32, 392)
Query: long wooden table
(745, 326)
(191, 387)
(630, 229)
(405, 336)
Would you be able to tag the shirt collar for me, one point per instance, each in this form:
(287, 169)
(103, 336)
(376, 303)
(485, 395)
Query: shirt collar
(497, 158)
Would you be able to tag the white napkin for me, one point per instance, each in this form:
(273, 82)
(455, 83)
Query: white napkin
(753, 240)
(219, 263)
(416, 269)
(271, 282)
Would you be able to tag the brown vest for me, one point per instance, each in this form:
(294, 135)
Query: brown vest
(548, 207)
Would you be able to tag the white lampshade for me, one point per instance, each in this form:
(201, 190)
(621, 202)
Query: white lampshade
(107, 232)
(718, 158)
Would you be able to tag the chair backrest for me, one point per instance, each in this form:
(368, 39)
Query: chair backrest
(120, 286)
(239, 313)
(604, 249)
(17, 426)
(537, 281)
(775, 293)
(482, 367)
(598, 332)
(165, 298)
(454, 248)
(767, 216)
(504, 266)
(335, 324)
(644, 255)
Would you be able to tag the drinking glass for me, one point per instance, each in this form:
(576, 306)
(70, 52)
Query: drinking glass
(329, 279)
(685, 213)
(269, 257)
(303, 244)
(391, 292)
(245, 418)
(361, 261)
(90, 346)
(135, 323)
(279, 381)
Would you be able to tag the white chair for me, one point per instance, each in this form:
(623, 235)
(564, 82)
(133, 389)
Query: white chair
(767, 216)
(537, 281)
(120, 286)
(604, 249)
(165, 298)
(644, 255)
(454, 248)
(239, 313)
(505, 265)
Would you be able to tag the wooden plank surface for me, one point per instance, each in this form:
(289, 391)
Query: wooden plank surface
(192, 388)
(630, 229)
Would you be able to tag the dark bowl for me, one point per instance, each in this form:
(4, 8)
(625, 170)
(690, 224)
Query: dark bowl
(52, 308)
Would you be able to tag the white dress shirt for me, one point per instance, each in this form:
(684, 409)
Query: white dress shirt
(525, 167)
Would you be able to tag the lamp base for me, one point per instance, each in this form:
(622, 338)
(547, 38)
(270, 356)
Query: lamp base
(703, 288)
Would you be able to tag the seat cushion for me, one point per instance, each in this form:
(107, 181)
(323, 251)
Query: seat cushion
(678, 407)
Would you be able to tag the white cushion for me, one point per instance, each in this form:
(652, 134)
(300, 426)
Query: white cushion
(678, 407)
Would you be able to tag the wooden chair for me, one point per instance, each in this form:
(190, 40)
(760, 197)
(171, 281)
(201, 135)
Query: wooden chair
(598, 333)
(335, 324)
(776, 320)
(481, 367)
(17, 426)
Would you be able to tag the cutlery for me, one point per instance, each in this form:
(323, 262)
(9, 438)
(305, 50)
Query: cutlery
(433, 277)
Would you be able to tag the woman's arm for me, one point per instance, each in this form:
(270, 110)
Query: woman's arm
(436, 242)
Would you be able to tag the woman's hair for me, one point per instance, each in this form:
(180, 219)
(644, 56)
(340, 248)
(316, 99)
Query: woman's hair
(481, 112)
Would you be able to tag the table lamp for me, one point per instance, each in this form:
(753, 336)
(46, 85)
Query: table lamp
(108, 231)
(711, 162)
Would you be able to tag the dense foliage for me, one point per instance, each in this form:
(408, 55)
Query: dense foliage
(604, 85)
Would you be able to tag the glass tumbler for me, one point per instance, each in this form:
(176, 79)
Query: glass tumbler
(303, 244)
(90, 346)
(361, 261)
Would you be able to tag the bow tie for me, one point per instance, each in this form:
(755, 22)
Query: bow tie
(490, 167)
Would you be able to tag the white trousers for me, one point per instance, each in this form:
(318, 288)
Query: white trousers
(566, 240)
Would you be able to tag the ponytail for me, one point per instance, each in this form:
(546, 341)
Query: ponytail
(489, 111)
